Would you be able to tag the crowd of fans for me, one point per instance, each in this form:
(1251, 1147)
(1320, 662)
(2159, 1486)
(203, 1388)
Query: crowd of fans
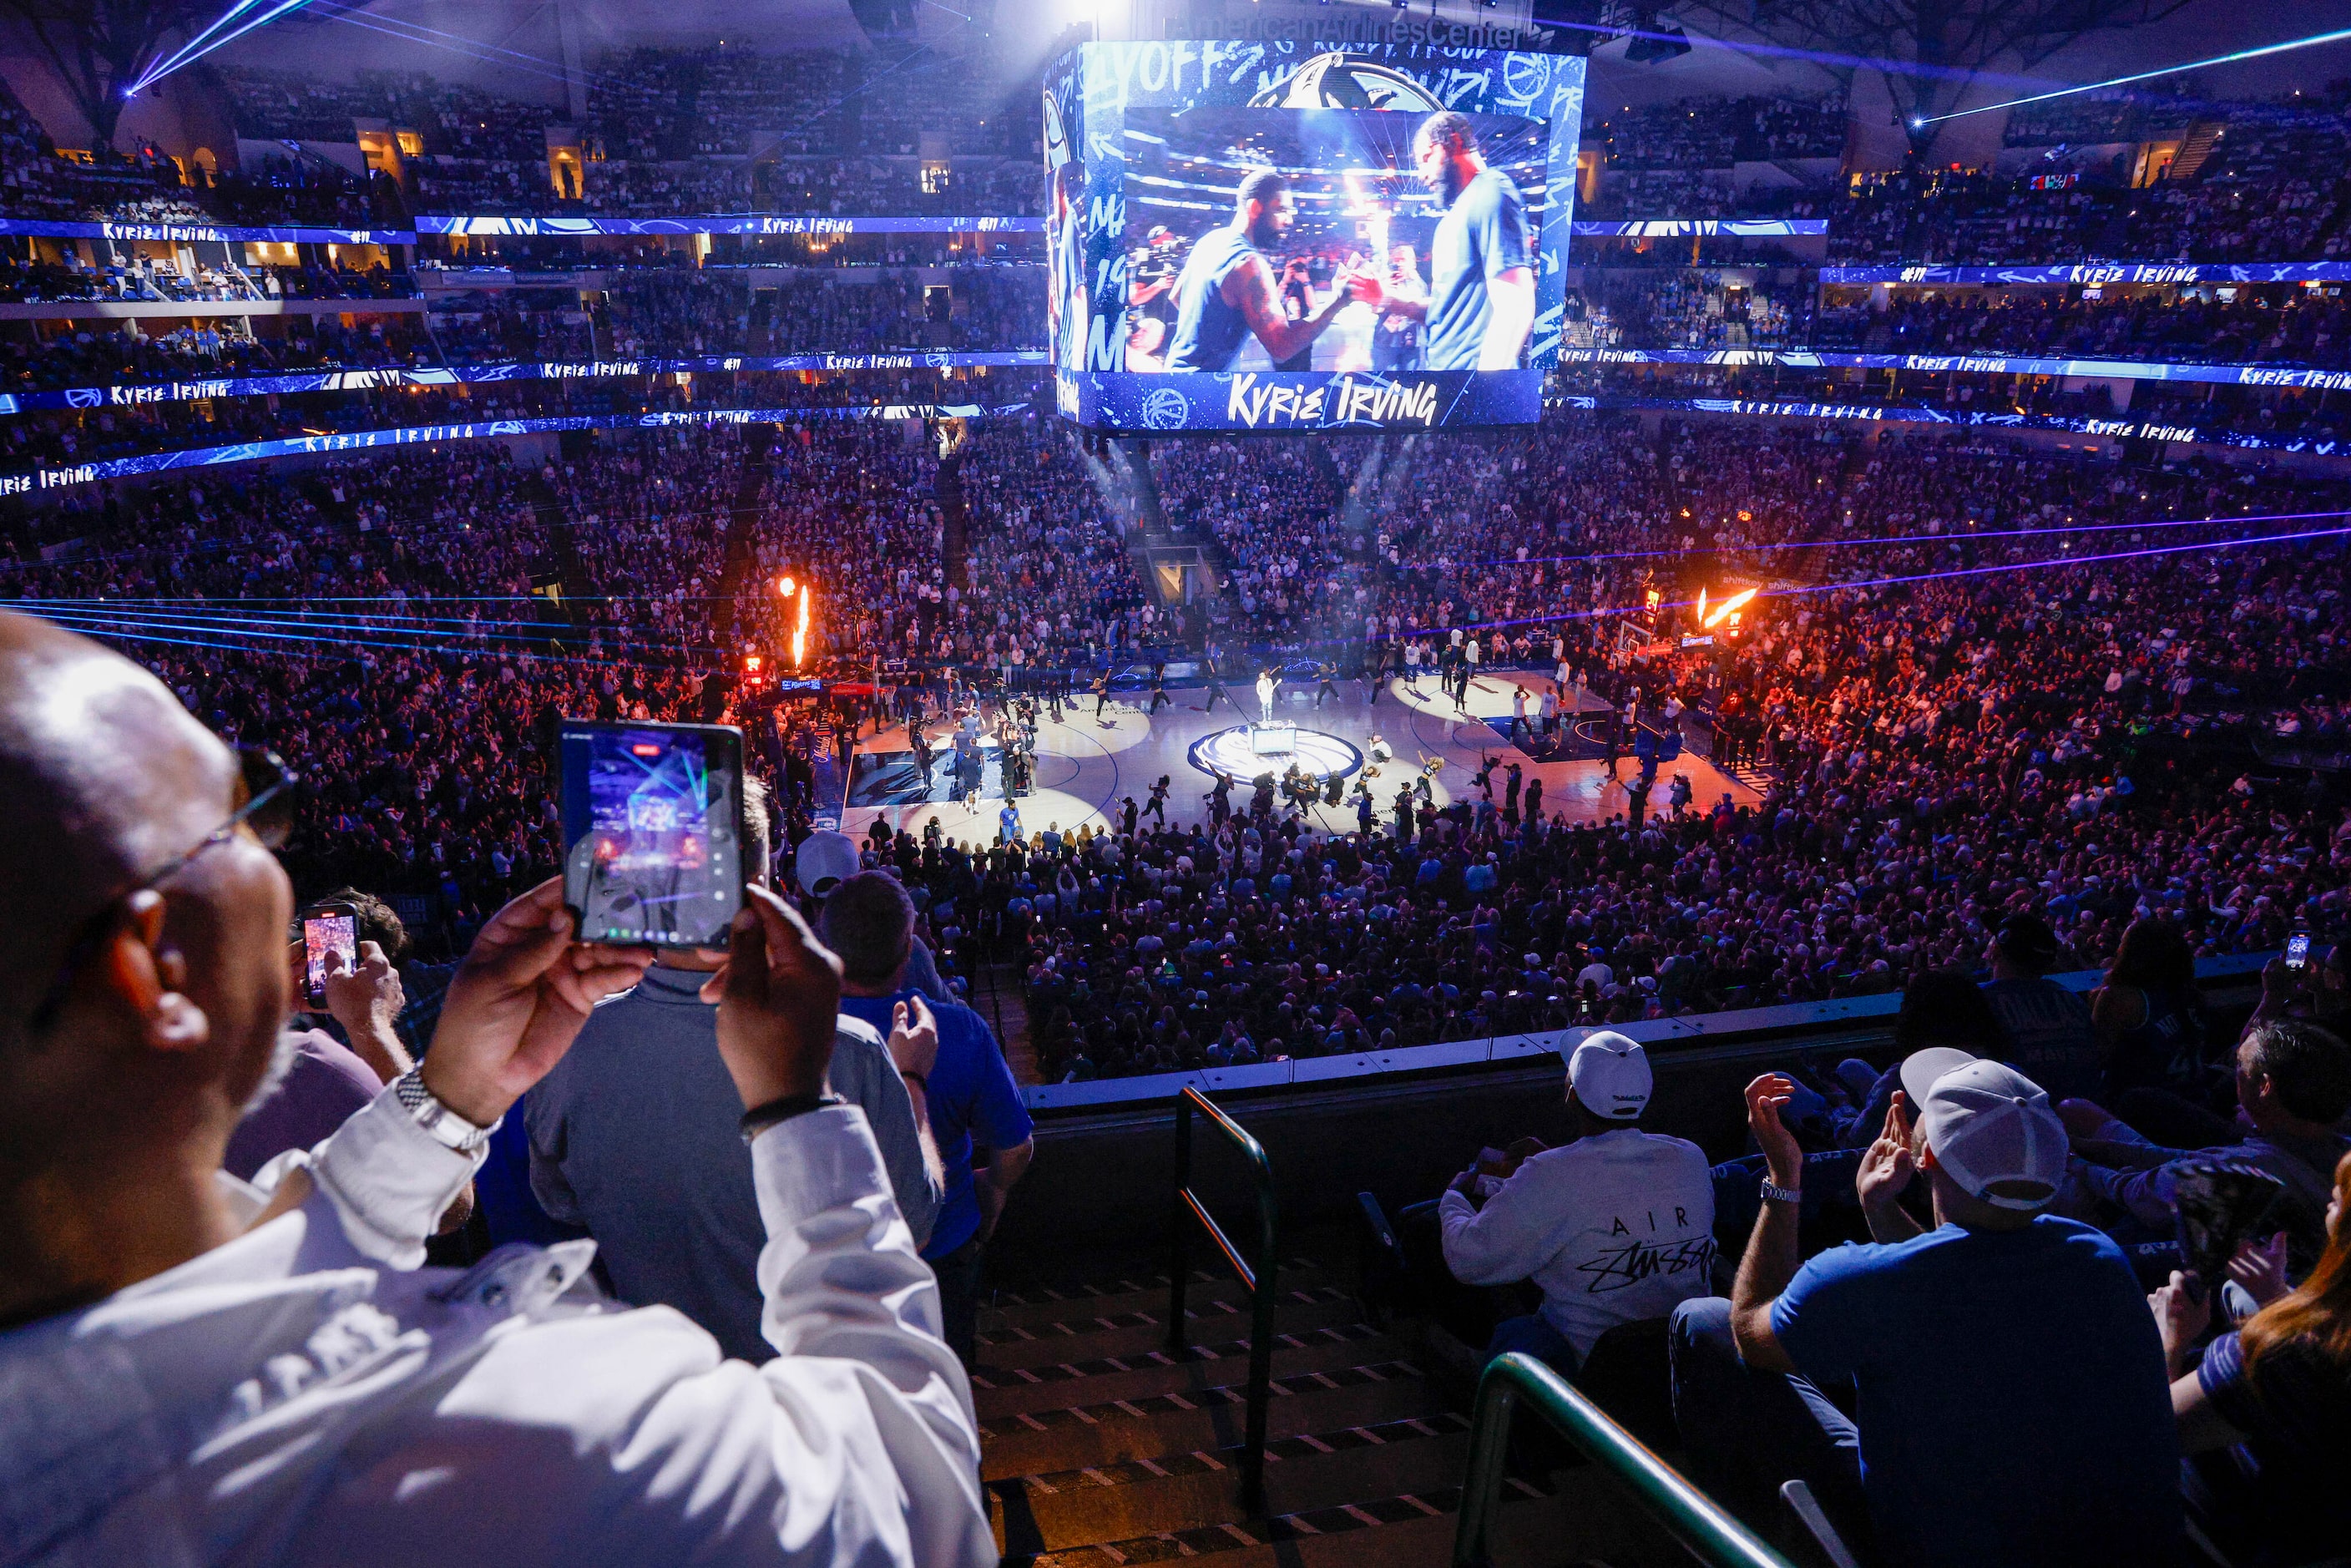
(486, 326)
(110, 430)
(675, 313)
(1902, 718)
(2094, 119)
(1698, 308)
(88, 355)
(403, 658)
(1715, 133)
(2282, 213)
(674, 131)
(970, 308)
(1951, 749)
(2293, 326)
(1049, 579)
(2252, 415)
(2013, 1215)
(1963, 745)
(146, 278)
(2003, 709)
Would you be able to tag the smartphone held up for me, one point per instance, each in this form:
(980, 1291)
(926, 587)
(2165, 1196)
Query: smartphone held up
(653, 831)
(327, 929)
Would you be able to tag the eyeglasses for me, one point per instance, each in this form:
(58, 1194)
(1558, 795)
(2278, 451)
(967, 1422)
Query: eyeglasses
(264, 807)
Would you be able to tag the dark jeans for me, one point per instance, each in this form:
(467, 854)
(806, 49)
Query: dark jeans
(1474, 1314)
(2171, 1121)
(958, 1273)
(1748, 1430)
(1532, 1335)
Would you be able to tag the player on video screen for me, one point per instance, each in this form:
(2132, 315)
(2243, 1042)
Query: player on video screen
(1229, 289)
(1480, 303)
(1396, 336)
(1065, 279)
(1151, 269)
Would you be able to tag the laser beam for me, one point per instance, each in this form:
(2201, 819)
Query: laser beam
(2312, 42)
(205, 43)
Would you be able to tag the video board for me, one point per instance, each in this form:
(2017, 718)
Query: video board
(1263, 237)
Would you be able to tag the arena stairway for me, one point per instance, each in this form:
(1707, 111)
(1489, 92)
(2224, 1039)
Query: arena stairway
(1100, 1447)
(2196, 149)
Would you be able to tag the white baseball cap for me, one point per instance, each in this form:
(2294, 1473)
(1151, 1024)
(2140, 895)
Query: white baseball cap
(1988, 1124)
(823, 860)
(1610, 1075)
(1921, 1068)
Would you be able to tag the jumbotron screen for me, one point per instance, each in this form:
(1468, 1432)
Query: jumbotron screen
(1257, 236)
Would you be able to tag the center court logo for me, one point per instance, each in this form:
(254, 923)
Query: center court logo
(1166, 409)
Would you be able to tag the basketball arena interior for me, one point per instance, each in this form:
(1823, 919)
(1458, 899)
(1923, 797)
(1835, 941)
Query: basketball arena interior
(1310, 782)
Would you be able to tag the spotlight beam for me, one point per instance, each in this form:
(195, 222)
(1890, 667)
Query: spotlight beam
(2312, 42)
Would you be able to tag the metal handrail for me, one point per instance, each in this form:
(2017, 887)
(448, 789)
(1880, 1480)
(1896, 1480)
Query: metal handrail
(1260, 1279)
(1687, 1514)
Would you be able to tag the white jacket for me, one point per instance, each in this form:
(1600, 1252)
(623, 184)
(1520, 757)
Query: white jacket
(1615, 1227)
(306, 1395)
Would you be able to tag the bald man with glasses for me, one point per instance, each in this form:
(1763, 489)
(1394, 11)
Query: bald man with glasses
(205, 1370)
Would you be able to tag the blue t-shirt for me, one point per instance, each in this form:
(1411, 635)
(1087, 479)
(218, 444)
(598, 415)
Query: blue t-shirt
(2014, 1407)
(1208, 332)
(973, 1101)
(1482, 236)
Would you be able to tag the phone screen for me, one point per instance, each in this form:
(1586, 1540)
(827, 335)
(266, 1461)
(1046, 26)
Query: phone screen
(652, 817)
(2297, 950)
(323, 933)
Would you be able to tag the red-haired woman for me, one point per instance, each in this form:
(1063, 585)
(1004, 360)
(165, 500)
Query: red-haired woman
(2265, 1416)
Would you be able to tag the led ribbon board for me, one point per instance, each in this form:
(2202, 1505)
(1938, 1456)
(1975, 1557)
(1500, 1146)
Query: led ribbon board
(495, 225)
(1973, 364)
(41, 480)
(1146, 144)
(1698, 228)
(224, 233)
(2100, 273)
(134, 393)
(2110, 429)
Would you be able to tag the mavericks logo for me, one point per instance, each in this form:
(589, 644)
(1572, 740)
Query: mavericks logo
(1337, 80)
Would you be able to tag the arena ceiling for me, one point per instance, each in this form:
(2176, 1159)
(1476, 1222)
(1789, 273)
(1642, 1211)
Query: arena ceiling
(1717, 64)
(516, 48)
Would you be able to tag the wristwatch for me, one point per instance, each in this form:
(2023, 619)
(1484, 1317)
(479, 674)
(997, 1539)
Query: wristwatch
(448, 1129)
(1775, 1193)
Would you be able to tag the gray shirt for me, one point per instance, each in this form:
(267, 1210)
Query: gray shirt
(636, 1137)
(1481, 235)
